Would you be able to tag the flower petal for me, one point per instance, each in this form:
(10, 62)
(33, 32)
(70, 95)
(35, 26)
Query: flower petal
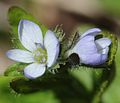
(91, 32)
(34, 70)
(29, 34)
(92, 57)
(52, 46)
(20, 56)
(86, 42)
(88, 52)
(95, 59)
(85, 46)
(104, 51)
(104, 58)
(102, 43)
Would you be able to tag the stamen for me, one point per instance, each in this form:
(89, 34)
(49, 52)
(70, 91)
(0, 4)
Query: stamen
(40, 55)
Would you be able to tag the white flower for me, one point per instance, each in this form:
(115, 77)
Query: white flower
(42, 52)
(90, 50)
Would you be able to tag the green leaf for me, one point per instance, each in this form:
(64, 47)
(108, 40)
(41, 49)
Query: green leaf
(112, 94)
(113, 46)
(9, 96)
(87, 76)
(66, 88)
(15, 14)
(15, 70)
(103, 84)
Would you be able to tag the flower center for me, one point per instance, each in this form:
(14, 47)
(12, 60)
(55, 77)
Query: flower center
(40, 55)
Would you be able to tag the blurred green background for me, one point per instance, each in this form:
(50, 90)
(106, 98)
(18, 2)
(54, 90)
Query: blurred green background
(86, 85)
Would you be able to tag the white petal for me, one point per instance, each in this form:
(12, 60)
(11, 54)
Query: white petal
(86, 42)
(91, 57)
(88, 52)
(52, 46)
(104, 51)
(104, 58)
(91, 32)
(94, 59)
(29, 34)
(20, 56)
(34, 70)
(102, 43)
(85, 45)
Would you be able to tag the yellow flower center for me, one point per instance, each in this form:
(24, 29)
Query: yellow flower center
(40, 55)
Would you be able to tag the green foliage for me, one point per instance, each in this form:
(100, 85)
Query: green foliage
(111, 6)
(59, 32)
(113, 46)
(112, 94)
(15, 70)
(70, 84)
(9, 96)
(87, 76)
